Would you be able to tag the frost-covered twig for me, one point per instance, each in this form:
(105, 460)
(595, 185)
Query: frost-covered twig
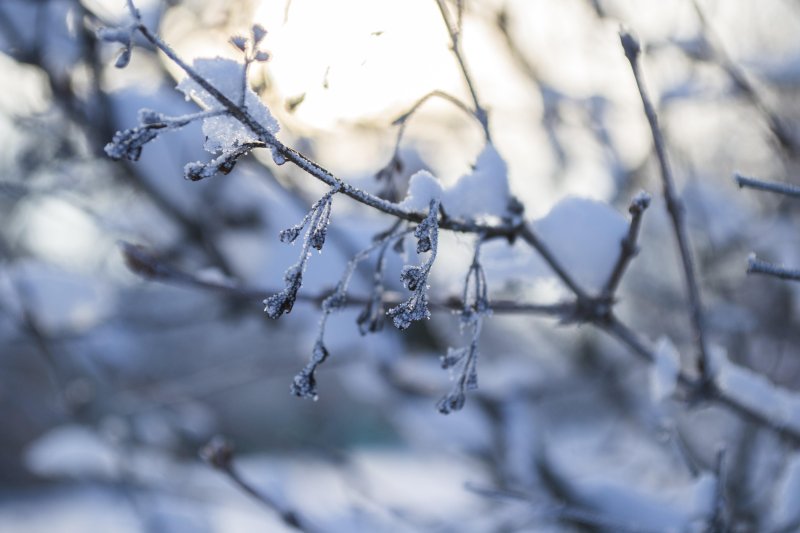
(316, 222)
(758, 266)
(219, 454)
(415, 278)
(628, 247)
(465, 359)
(304, 384)
(674, 205)
(786, 189)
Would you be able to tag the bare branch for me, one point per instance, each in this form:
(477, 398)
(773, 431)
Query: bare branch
(674, 206)
(219, 454)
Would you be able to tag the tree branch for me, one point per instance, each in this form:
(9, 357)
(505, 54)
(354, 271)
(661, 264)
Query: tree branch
(674, 207)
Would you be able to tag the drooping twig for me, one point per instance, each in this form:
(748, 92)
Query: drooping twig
(628, 247)
(674, 207)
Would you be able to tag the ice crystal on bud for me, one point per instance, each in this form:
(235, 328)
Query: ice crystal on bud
(412, 310)
(224, 164)
(128, 144)
(415, 278)
(283, 301)
(304, 384)
(290, 234)
(412, 277)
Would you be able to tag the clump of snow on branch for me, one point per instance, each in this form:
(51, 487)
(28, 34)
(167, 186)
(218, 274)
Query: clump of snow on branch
(585, 236)
(225, 133)
(756, 392)
(482, 193)
(664, 371)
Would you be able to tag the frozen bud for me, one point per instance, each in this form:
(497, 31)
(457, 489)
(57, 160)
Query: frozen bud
(413, 277)
(630, 45)
(197, 170)
(128, 144)
(239, 42)
(258, 33)
(148, 117)
(453, 401)
(453, 357)
(304, 385)
(412, 310)
(218, 453)
(317, 237)
(290, 234)
(283, 302)
(124, 58)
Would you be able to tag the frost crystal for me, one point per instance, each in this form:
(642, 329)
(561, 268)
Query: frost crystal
(412, 310)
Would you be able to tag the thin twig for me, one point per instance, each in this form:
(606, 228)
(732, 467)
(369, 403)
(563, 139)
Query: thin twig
(628, 247)
(737, 75)
(674, 207)
(219, 454)
(145, 263)
(786, 189)
(454, 30)
(757, 266)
